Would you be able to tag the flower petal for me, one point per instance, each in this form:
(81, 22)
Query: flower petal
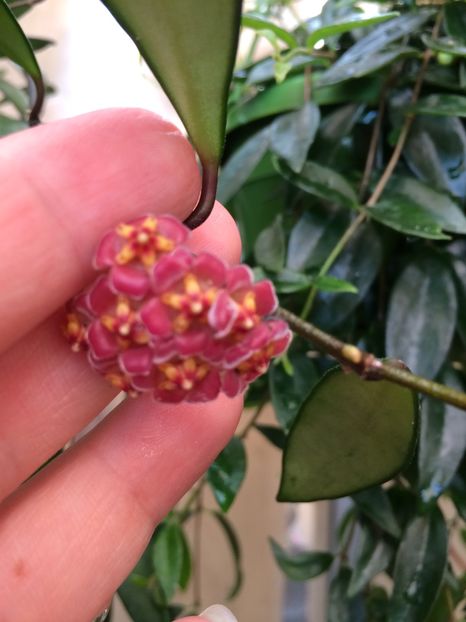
(222, 314)
(156, 318)
(210, 268)
(266, 299)
(207, 390)
(136, 361)
(172, 228)
(191, 342)
(130, 281)
(102, 342)
(232, 384)
(100, 297)
(106, 251)
(170, 269)
(239, 277)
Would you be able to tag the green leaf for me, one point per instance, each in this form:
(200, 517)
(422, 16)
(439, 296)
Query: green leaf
(287, 281)
(349, 434)
(445, 44)
(9, 125)
(420, 328)
(191, 53)
(269, 249)
(455, 20)
(440, 104)
(139, 604)
(375, 504)
(321, 182)
(419, 568)
(436, 152)
(186, 565)
(301, 566)
(288, 393)
(15, 45)
(330, 283)
(168, 557)
(340, 27)
(460, 278)
(442, 442)
(235, 551)
(339, 606)
(238, 168)
(259, 23)
(226, 474)
(265, 70)
(372, 557)
(293, 134)
(273, 434)
(14, 95)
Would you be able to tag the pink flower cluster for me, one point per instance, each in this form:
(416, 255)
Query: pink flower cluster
(162, 319)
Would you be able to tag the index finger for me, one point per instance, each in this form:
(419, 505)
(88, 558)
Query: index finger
(63, 185)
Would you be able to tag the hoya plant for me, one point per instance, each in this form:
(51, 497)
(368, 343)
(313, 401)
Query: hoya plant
(341, 153)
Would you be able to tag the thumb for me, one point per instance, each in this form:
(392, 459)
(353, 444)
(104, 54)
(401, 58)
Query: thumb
(214, 613)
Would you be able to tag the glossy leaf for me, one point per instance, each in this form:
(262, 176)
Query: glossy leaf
(440, 104)
(339, 607)
(235, 548)
(293, 134)
(375, 504)
(419, 568)
(330, 283)
(442, 442)
(334, 447)
(191, 52)
(289, 392)
(265, 70)
(460, 278)
(287, 281)
(420, 328)
(373, 556)
(226, 474)
(273, 434)
(338, 28)
(15, 45)
(320, 181)
(259, 23)
(436, 153)
(455, 20)
(269, 249)
(140, 605)
(241, 164)
(445, 44)
(186, 565)
(168, 557)
(301, 566)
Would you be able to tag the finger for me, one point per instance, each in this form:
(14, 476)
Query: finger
(48, 394)
(81, 524)
(63, 185)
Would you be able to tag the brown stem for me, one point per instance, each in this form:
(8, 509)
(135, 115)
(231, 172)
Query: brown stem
(37, 89)
(207, 197)
(368, 366)
(253, 419)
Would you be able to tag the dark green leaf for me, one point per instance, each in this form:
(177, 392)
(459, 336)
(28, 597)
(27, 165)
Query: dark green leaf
(269, 249)
(460, 278)
(14, 95)
(241, 164)
(338, 28)
(445, 44)
(442, 609)
(226, 474)
(314, 235)
(40, 44)
(235, 551)
(419, 568)
(15, 45)
(373, 556)
(321, 182)
(301, 566)
(191, 52)
(259, 23)
(377, 604)
(168, 557)
(264, 70)
(359, 263)
(443, 105)
(339, 607)
(335, 132)
(330, 283)
(287, 281)
(442, 442)
(8, 125)
(138, 602)
(185, 573)
(292, 135)
(458, 493)
(455, 20)
(436, 152)
(288, 393)
(420, 328)
(349, 434)
(275, 435)
(375, 504)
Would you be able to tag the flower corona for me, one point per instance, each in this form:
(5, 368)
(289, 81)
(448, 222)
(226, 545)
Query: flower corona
(162, 319)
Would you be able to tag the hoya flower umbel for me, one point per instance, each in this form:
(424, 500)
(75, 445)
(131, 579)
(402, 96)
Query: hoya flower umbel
(162, 319)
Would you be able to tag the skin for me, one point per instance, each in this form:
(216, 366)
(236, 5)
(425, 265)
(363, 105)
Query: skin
(70, 535)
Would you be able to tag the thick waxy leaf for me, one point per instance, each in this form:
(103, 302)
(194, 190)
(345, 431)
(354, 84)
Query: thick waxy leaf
(314, 235)
(15, 45)
(419, 568)
(235, 548)
(330, 283)
(455, 20)
(241, 164)
(442, 442)
(359, 263)
(260, 23)
(442, 105)
(191, 52)
(373, 556)
(140, 605)
(301, 566)
(292, 135)
(375, 504)
(349, 434)
(168, 557)
(269, 249)
(321, 182)
(226, 474)
(445, 44)
(436, 152)
(338, 28)
(420, 328)
(273, 434)
(289, 392)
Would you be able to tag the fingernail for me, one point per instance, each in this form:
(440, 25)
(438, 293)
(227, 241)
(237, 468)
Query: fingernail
(218, 613)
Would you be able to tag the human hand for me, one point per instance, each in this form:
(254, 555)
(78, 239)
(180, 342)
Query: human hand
(71, 534)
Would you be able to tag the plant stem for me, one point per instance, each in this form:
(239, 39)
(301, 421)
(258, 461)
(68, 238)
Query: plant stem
(197, 546)
(368, 366)
(254, 418)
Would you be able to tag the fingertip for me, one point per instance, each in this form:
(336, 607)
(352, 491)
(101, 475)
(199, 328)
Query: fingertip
(219, 235)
